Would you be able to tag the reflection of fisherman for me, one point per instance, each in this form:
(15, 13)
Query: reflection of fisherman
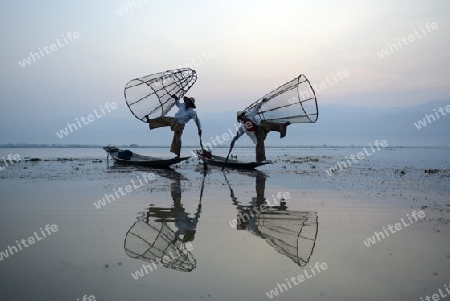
(256, 203)
(257, 129)
(248, 215)
(290, 233)
(185, 113)
(153, 240)
(186, 225)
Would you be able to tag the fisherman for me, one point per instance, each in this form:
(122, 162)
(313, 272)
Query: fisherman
(257, 129)
(185, 113)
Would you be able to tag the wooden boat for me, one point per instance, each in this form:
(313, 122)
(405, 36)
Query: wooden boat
(127, 157)
(231, 163)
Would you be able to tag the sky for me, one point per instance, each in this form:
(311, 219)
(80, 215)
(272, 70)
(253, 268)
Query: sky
(240, 50)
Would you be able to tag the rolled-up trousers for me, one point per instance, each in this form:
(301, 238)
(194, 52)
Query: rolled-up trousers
(175, 126)
(261, 133)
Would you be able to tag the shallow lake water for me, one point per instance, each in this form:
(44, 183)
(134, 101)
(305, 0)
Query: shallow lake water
(189, 235)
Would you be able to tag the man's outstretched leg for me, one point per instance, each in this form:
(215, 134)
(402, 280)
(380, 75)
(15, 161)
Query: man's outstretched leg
(275, 126)
(160, 121)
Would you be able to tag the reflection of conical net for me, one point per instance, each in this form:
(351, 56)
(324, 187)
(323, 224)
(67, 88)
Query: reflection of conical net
(151, 241)
(290, 233)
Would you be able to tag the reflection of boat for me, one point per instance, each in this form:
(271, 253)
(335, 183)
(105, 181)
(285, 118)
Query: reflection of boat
(230, 163)
(130, 158)
(151, 238)
(290, 233)
(167, 173)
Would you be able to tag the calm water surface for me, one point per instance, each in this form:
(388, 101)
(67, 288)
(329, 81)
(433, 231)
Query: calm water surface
(292, 218)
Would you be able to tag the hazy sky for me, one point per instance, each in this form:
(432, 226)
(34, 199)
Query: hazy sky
(240, 50)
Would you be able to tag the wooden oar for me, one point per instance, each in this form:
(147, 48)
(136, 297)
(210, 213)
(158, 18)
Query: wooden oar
(203, 153)
(226, 159)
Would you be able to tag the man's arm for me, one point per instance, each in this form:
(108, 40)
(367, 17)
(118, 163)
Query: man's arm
(239, 133)
(258, 106)
(177, 101)
(252, 113)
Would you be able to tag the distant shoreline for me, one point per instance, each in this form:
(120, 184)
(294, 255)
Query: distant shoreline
(31, 145)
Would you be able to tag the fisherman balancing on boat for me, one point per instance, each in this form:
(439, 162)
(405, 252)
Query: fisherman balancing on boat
(185, 113)
(257, 129)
